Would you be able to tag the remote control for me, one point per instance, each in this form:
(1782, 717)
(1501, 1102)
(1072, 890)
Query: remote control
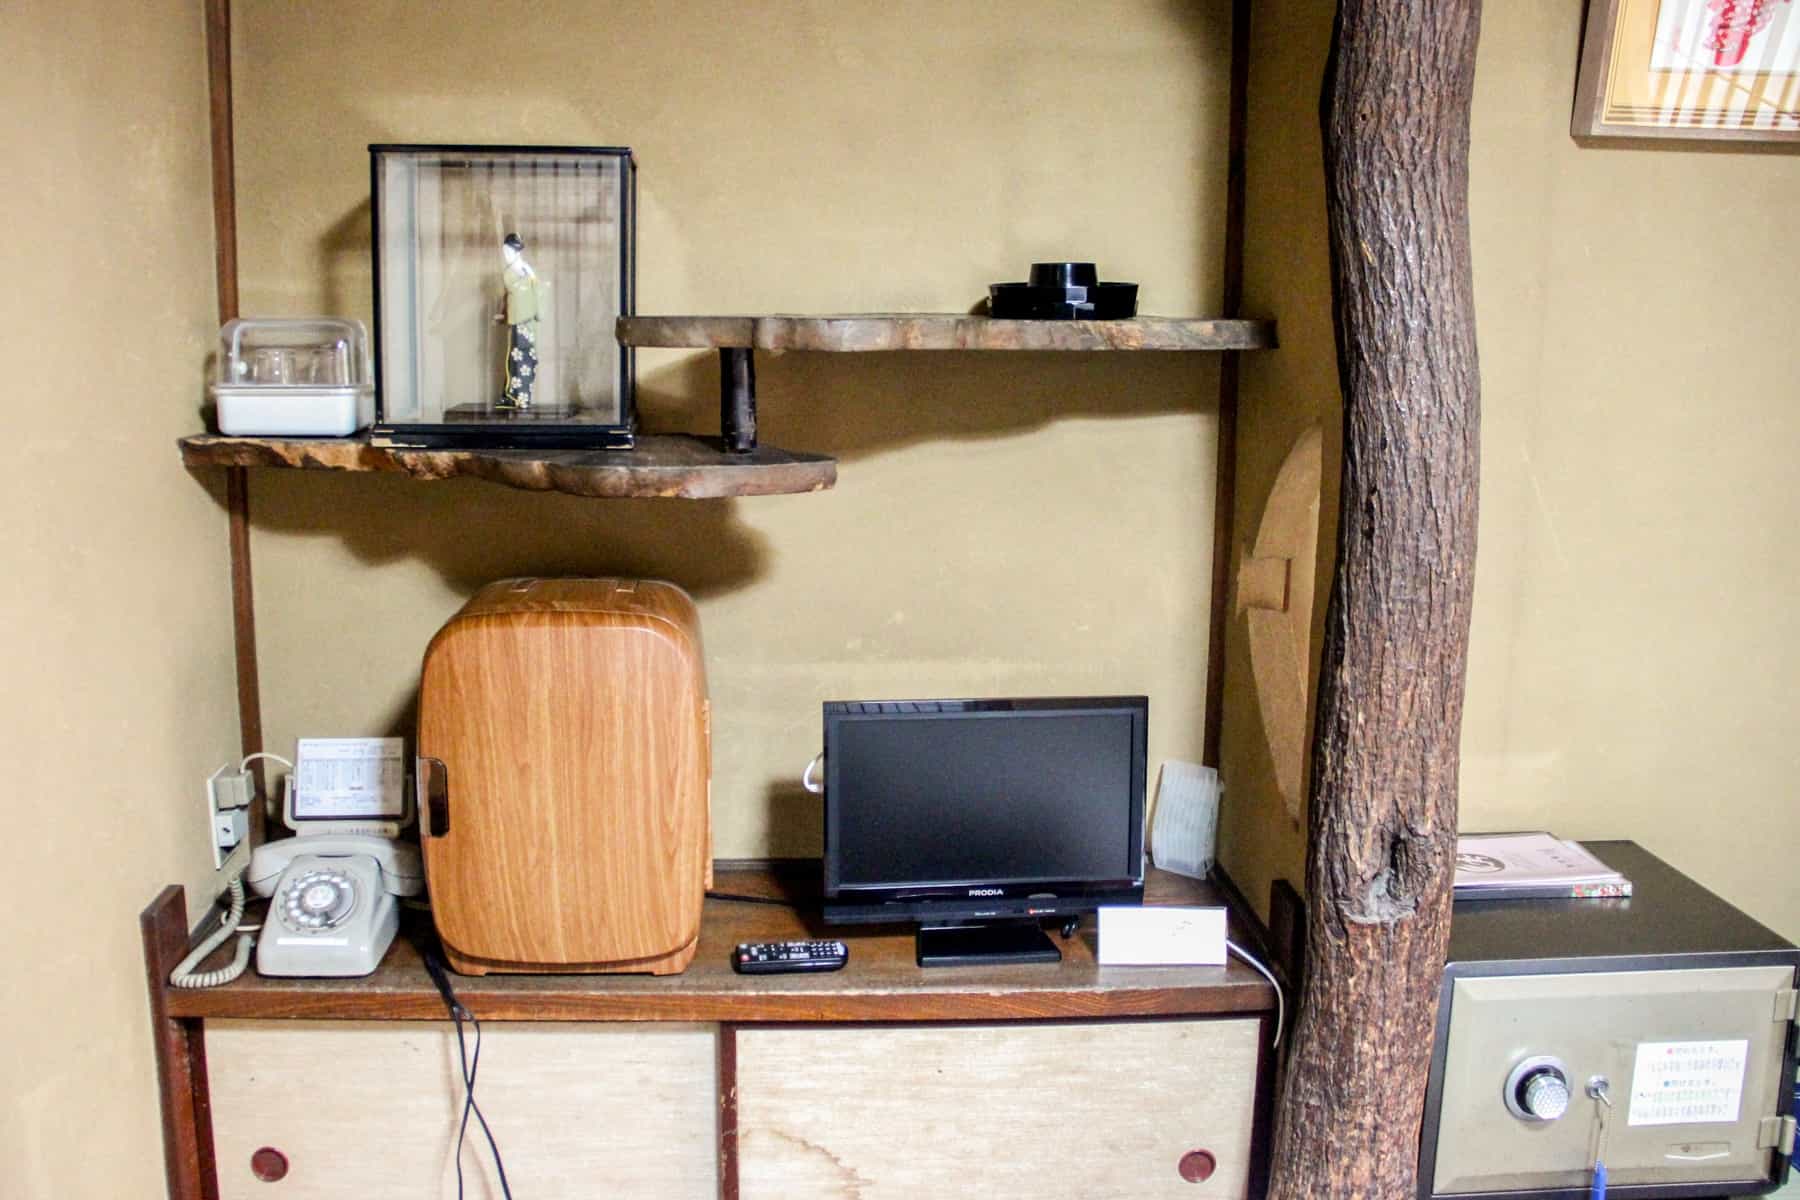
(773, 958)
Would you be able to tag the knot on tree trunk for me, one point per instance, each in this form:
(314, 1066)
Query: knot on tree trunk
(1393, 894)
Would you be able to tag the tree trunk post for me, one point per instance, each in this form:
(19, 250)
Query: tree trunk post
(1382, 819)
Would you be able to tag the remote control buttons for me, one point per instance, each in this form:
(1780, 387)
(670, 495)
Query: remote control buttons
(770, 958)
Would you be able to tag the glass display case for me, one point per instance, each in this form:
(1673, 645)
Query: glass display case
(500, 274)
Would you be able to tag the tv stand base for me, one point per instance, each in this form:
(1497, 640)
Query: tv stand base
(984, 943)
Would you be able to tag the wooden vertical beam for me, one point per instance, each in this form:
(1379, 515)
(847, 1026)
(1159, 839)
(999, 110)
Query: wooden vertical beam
(728, 1112)
(1225, 472)
(243, 627)
(1268, 1059)
(237, 480)
(1382, 848)
(188, 1157)
(224, 194)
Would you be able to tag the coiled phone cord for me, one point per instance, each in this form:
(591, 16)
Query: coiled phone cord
(184, 976)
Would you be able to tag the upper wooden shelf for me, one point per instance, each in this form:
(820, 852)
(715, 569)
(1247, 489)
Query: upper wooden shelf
(663, 465)
(933, 331)
(880, 983)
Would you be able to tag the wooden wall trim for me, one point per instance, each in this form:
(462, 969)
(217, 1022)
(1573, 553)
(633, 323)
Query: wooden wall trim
(728, 1113)
(1262, 1131)
(237, 480)
(180, 1045)
(224, 194)
(243, 629)
(1225, 472)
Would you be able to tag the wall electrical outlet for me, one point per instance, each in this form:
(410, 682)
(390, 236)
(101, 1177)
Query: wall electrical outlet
(228, 788)
(230, 828)
(229, 793)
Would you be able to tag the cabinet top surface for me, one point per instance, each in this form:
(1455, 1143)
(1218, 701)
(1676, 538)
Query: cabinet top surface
(861, 332)
(881, 982)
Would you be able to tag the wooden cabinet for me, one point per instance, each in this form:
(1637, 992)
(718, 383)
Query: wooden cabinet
(1075, 1110)
(1082, 1111)
(371, 1108)
(881, 1080)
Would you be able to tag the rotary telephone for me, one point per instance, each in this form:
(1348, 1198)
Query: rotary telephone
(333, 907)
(333, 887)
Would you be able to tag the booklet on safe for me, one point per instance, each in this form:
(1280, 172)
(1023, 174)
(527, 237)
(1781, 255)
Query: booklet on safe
(1513, 866)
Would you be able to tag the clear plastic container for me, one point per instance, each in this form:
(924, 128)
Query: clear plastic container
(294, 376)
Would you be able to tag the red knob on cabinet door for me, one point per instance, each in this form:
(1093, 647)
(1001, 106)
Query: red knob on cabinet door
(269, 1165)
(1197, 1166)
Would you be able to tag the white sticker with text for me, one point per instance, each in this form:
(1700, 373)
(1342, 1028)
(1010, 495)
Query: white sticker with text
(1683, 1083)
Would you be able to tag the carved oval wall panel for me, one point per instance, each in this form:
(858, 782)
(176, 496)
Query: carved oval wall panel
(1275, 596)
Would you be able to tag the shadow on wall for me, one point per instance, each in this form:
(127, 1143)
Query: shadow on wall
(344, 251)
(851, 406)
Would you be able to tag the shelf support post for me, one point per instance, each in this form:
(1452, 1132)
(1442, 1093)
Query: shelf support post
(1382, 818)
(737, 398)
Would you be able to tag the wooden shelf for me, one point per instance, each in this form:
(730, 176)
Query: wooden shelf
(880, 983)
(662, 465)
(851, 333)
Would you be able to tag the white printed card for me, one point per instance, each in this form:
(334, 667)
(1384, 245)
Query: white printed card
(1161, 936)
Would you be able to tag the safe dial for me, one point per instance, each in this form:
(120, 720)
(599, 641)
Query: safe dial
(1538, 1089)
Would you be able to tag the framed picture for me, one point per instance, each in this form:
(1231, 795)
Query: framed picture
(500, 273)
(1700, 72)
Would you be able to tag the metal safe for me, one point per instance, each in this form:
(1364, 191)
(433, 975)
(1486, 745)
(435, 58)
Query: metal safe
(1657, 1032)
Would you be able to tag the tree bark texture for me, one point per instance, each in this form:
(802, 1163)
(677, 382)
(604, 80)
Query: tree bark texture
(1385, 754)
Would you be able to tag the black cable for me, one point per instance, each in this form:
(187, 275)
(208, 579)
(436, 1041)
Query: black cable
(468, 1065)
(743, 899)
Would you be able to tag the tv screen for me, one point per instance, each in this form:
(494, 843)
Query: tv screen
(982, 808)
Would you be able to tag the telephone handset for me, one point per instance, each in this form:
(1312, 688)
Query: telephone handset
(332, 908)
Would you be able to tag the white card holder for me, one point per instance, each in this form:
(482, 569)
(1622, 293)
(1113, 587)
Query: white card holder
(1185, 826)
(1157, 936)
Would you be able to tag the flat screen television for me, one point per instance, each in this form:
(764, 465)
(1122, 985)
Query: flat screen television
(977, 819)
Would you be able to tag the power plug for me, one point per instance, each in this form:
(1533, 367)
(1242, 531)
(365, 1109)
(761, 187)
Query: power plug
(229, 793)
(228, 788)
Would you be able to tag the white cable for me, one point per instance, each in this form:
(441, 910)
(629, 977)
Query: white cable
(1280, 1008)
(807, 781)
(250, 758)
(183, 976)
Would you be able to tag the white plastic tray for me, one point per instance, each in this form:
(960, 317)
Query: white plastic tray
(294, 411)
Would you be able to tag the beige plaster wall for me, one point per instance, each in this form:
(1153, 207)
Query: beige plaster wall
(1003, 524)
(1633, 647)
(114, 610)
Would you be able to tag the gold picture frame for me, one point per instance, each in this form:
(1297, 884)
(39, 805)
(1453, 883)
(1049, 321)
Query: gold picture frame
(1708, 73)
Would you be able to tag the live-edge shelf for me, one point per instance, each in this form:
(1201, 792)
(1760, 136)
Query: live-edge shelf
(870, 332)
(697, 468)
(661, 465)
(880, 983)
(737, 339)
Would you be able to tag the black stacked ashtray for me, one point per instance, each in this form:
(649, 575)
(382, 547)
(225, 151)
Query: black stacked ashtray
(1066, 291)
